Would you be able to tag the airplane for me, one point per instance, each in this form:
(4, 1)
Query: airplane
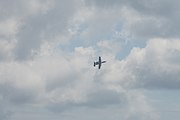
(99, 63)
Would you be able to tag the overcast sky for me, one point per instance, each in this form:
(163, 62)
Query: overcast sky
(47, 50)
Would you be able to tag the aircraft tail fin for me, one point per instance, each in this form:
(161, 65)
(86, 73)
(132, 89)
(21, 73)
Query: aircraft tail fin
(103, 61)
(94, 64)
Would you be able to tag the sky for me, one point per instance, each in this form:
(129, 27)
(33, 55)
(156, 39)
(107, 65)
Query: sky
(47, 50)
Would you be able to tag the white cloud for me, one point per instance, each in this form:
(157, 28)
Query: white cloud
(8, 27)
(139, 108)
(61, 82)
(152, 66)
(6, 48)
(111, 47)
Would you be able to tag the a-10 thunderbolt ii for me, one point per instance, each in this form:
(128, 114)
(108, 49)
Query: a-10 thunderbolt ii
(99, 63)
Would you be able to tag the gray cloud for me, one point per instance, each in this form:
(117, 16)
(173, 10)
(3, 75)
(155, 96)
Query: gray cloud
(103, 98)
(43, 27)
(105, 4)
(165, 15)
(150, 18)
(5, 112)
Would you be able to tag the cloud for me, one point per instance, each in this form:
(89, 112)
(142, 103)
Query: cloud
(158, 18)
(62, 82)
(8, 28)
(5, 112)
(104, 4)
(155, 66)
(13, 19)
(44, 27)
(150, 19)
(13, 14)
(6, 48)
(34, 22)
(16, 83)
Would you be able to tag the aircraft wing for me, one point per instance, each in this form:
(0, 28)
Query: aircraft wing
(99, 66)
(99, 59)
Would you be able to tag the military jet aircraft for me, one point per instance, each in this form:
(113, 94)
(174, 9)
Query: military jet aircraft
(99, 63)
